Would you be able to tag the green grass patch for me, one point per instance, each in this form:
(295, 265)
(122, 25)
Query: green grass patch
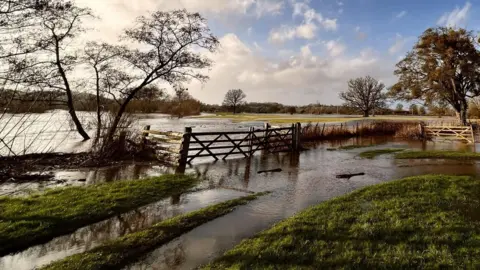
(41, 217)
(122, 251)
(375, 153)
(355, 146)
(438, 155)
(423, 222)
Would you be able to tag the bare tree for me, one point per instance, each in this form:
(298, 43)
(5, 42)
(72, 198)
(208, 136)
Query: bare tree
(99, 58)
(234, 98)
(364, 94)
(171, 50)
(54, 60)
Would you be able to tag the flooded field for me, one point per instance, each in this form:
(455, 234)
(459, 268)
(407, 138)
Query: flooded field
(306, 179)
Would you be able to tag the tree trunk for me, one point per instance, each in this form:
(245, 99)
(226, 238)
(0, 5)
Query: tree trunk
(234, 109)
(463, 114)
(113, 128)
(73, 114)
(99, 113)
(366, 114)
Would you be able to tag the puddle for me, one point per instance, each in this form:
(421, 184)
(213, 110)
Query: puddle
(91, 236)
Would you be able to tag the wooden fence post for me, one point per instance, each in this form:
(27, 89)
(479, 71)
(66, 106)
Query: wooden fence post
(298, 136)
(182, 162)
(250, 141)
(145, 135)
(294, 137)
(422, 130)
(266, 134)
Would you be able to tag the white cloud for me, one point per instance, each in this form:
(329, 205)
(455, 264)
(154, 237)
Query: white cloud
(115, 15)
(335, 48)
(285, 33)
(250, 31)
(340, 3)
(310, 15)
(300, 78)
(455, 18)
(401, 14)
(398, 44)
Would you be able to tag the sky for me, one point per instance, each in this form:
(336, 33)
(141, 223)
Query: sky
(297, 52)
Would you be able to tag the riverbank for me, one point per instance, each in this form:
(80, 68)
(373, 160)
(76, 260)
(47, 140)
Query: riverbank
(39, 218)
(118, 253)
(422, 222)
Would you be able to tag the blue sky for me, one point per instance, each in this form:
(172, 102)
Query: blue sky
(299, 51)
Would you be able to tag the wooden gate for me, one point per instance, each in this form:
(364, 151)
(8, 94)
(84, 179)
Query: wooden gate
(464, 133)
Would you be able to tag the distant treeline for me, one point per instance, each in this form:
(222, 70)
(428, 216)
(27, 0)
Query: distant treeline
(272, 107)
(182, 104)
(42, 101)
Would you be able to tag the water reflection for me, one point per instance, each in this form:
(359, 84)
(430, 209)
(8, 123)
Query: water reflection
(306, 179)
(91, 236)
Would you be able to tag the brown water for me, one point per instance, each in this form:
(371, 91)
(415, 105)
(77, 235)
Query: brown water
(307, 179)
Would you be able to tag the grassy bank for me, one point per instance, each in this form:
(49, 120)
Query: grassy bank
(120, 252)
(288, 119)
(424, 222)
(39, 218)
(375, 153)
(438, 155)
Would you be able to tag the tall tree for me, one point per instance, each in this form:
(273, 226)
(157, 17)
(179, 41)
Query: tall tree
(171, 48)
(399, 107)
(443, 65)
(414, 109)
(422, 110)
(234, 98)
(54, 59)
(364, 94)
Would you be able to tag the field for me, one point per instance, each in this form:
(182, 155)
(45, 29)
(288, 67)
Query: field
(423, 222)
(287, 119)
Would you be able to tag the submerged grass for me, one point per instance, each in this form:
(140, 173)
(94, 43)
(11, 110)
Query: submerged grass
(438, 155)
(39, 218)
(423, 222)
(120, 252)
(374, 153)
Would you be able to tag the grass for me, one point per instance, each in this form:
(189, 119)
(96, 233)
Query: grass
(276, 118)
(122, 251)
(423, 222)
(41, 217)
(375, 153)
(355, 146)
(438, 155)
(288, 119)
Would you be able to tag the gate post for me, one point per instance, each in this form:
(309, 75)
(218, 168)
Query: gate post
(250, 141)
(185, 145)
(297, 131)
(265, 136)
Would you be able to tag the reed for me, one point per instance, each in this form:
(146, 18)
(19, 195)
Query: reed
(323, 131)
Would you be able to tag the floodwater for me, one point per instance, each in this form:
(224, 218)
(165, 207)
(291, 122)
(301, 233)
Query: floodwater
(91, 236)
(306, 179)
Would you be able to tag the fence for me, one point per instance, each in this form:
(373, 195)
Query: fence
(464, 133)
(186, 147)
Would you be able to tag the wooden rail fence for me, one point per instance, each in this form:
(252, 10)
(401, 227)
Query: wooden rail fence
(184, 148)
(464, 133)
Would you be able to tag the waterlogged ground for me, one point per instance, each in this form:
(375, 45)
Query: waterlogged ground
(306, 179)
